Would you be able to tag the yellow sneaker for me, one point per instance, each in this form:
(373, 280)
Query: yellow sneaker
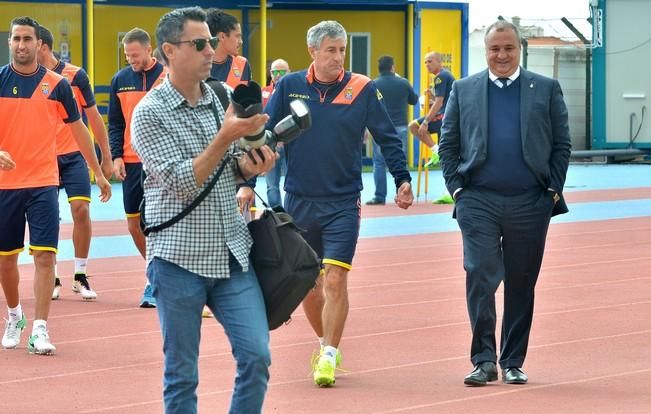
(444, 199)
(433, 160)
(317, 355)
(324, 372)
(206, 313)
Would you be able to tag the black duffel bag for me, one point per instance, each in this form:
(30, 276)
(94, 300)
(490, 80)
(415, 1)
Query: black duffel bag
(286, 266)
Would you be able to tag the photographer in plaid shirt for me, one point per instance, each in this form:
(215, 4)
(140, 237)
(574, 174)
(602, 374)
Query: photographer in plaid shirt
(204, 258)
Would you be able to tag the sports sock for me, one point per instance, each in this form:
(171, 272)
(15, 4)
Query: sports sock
(330, 352)
(38, 324)
(81, 264)
(321, 342)
(435, 148)
(56, 271)
(15, 314)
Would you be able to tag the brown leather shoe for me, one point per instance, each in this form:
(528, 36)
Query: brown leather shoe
(483, 373)
(514, 376)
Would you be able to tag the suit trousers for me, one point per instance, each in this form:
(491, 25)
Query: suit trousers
(503, 240)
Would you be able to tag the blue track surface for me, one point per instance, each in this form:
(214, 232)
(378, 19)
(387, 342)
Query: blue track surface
(580, 178)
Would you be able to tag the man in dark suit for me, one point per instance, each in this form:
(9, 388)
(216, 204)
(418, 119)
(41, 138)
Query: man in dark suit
(505, 150)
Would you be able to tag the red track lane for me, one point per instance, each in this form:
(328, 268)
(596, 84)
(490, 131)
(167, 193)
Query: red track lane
(405, 346)
(422, 206)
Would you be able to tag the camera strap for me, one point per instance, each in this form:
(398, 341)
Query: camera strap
(187, 210)
(264, 203)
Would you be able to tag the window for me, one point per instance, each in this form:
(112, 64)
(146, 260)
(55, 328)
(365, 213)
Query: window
(359, 53)
(4, 49)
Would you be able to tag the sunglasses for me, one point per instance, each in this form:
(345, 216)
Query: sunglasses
(199, 44)
(278, 72)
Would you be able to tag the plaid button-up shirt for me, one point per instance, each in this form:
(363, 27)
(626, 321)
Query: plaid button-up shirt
(167, 134)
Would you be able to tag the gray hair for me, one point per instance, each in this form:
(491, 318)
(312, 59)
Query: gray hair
(326, 28)
(501, 26)
(170, 26)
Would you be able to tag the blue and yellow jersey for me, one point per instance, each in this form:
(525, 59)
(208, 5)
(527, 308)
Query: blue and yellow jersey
(442, 87)
(233, 71)
(325, 161)
(127, 89)
(80, 83)
(31, 106)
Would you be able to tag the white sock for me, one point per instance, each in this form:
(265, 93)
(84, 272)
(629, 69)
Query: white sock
(15, 314)
(56, 271)
(81, 264)
(38, 324)
(435, 148)
(321, 342)
(330, 352)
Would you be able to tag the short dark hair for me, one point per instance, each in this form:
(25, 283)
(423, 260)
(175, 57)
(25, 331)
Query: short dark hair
(220, 22)
(25, 21)
(171, 25)
(137, 35)
(46, 36)
(385, 63)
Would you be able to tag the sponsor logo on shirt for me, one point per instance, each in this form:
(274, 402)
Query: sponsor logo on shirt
(298, 95)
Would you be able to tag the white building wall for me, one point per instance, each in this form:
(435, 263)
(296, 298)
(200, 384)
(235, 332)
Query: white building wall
(628, 60)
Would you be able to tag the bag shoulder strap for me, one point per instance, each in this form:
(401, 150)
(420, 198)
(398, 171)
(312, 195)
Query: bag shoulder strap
(187, 210)
(220, 90)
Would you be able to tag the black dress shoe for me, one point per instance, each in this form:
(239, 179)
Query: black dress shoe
(514, 376)
(375, 202)
(483, 373)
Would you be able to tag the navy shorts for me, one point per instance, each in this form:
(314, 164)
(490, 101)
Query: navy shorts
(432, 127)
(132, 189)
(74, 176)
(331, 227)
(39, 207)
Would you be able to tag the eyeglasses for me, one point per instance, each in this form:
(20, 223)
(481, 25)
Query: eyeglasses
(199, 44)
(278, 72)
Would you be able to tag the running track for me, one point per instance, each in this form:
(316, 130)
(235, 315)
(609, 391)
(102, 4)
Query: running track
(407, 339)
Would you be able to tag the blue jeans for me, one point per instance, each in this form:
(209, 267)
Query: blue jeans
(273, 180)
(238, 305)
(379, 166)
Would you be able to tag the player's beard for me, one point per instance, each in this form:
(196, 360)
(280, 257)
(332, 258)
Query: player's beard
(25, 58)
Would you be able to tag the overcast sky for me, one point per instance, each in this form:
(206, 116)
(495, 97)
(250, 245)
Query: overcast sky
(545, 13)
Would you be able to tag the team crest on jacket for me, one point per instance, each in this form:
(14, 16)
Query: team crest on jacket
(45, 88)
(348, 93)
(236, 72)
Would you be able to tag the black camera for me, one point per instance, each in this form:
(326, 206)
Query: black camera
(247, 101)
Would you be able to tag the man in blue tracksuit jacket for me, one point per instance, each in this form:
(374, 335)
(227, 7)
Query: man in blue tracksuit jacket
(324, 181)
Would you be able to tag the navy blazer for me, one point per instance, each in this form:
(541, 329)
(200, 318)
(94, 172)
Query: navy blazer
(546, 143)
